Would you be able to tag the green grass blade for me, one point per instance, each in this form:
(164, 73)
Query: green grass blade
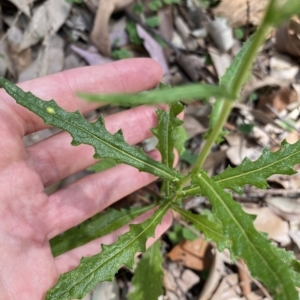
(210, 226)
(256, 173)
(247, 243)
(103, 266)
(187, 92)
(95, 134)
(148, 276)
(99, 225)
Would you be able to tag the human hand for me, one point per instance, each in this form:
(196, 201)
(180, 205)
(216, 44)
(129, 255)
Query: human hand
(28, 217)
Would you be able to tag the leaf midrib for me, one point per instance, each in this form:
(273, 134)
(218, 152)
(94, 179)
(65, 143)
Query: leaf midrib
(256, 170)
(162, 211)
(243, 231)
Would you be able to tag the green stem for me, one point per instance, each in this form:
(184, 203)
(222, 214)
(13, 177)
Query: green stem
(235, 88)
(226, 109)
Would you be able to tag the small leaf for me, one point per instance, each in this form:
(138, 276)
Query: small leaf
(137, 8)
(246, 128)
(256, 173)
(153, 21)
(133, 35)
(210, 226)
(166, 132)
(121, 54)
(106, 145)
(99, 225)
(189, 157)
(147, 278)
(103, 266)
(247, 243)
(186, 92)
(155, 5)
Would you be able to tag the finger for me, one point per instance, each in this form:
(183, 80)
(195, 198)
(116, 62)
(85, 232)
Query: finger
(71, 259)
(131, 75)
(60, 159)
(91, 194)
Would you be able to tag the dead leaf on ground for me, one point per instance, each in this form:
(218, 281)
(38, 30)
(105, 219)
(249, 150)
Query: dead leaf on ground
(266, 221)
(240, 148)
(221, 34)
(19, 60)
(284, 207)
(154, 49)
(100, 33)
(91, 56)
(177, 283)
(236, 11)
(288, 38)
(46, 19)
(22, 5)
(52, 51)
(192, 254)
(221, 61)
(283, 68)
(228, 289)
(216, 272)
(278, 99)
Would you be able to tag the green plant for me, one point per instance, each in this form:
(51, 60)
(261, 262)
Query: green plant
(228, 225)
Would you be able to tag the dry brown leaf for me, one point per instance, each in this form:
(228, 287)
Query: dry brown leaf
(228, 289)
(177, 283)
(286, 208)
(236, 11)
(100, 33)
(192, 126)
(216, 271)
(46, 19)
(278, 99)
(192, 254)
(221, 34)
(288, 38)
(52, 51)
(266, 221)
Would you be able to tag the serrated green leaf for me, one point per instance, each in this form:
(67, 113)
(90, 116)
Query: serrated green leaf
(166, 133)
(233, 70)
(227, 81)
(289, 259)
(186, 92)
(147, 279)
(212, 228)
(182, 137)
(99, 225)
(247, 243)
(103, 266)
(106, 145)
(256, 173)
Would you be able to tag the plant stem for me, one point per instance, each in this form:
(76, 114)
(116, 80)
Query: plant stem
(235, 87)
(226, 109)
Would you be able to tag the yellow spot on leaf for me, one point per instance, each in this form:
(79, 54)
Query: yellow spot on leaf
(50, 110)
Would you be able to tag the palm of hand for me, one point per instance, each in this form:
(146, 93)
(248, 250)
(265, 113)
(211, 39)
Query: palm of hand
(28, 217)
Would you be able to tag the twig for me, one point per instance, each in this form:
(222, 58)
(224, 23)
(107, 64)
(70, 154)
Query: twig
(287, 122)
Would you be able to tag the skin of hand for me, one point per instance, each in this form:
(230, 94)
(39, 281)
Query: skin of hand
(28, 217)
